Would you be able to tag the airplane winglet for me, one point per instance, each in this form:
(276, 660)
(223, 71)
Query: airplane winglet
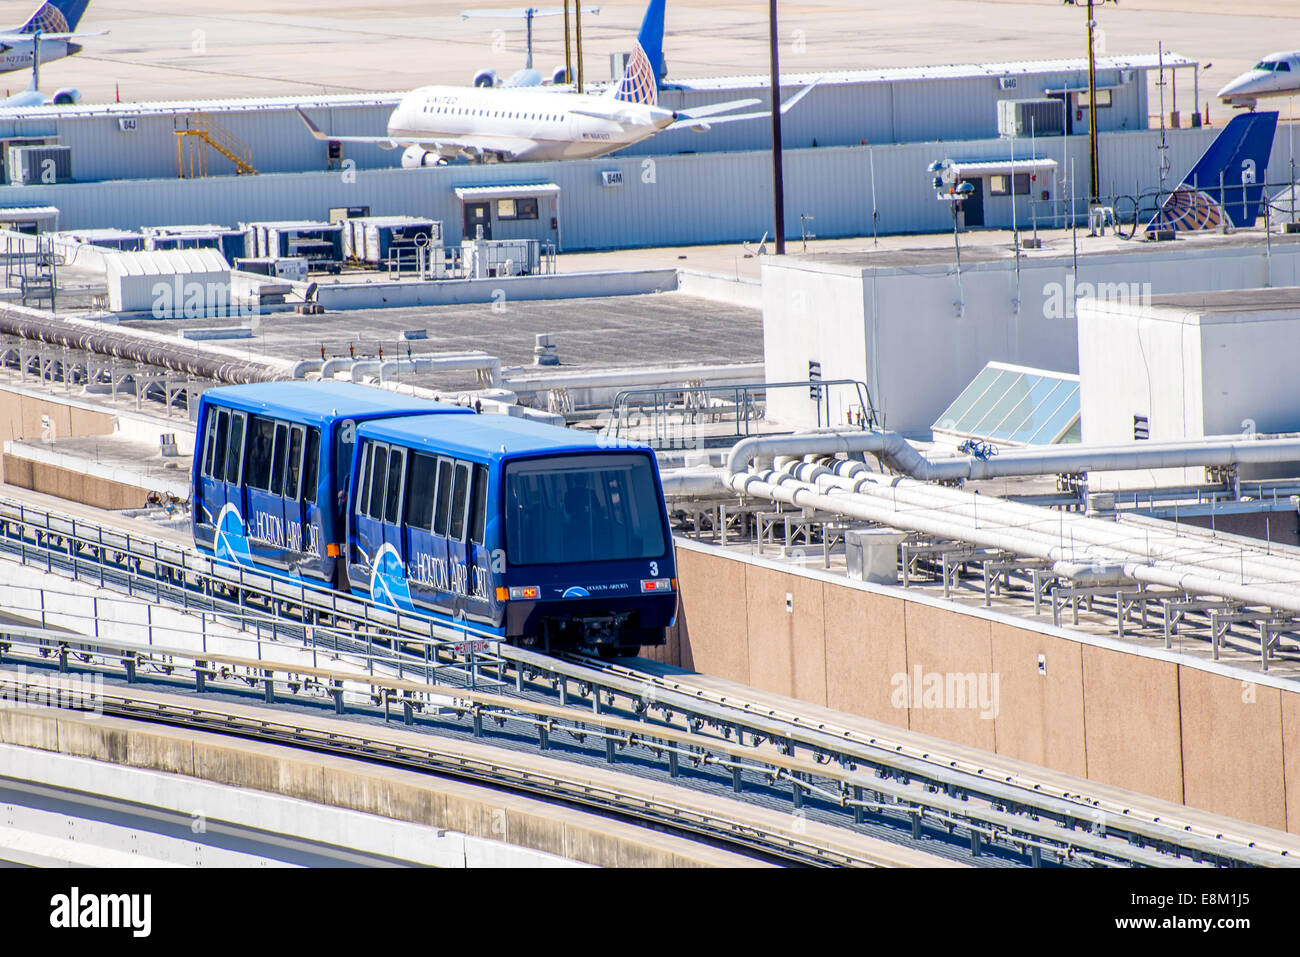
(315, 130)
(785, 107)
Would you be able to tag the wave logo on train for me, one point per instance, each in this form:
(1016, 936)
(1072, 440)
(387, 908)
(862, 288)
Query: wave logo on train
(388, 584)
(231, 540)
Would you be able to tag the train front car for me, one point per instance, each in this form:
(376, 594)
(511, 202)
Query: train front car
(510, 529)
(268, 481)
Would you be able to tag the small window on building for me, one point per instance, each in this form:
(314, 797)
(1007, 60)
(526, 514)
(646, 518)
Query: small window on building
(516, 209)
(1103, 99)
(1000, 184)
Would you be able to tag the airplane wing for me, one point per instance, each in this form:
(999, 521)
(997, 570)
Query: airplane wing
(619, 116)
(699, 120)
(713, 108)
(73, 36)
(387, 142)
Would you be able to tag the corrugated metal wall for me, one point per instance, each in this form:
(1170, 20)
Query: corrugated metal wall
(667, 200)
(834, 114)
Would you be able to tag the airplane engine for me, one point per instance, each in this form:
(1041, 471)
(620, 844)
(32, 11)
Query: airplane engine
(486, 78)
(559, 77)
(415, 156)
(66, 97)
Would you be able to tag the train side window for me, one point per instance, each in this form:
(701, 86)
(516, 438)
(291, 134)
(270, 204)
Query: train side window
(420, 487)
(219, 456)
(209, 442)
(378, 480)
(363, 480)
(261, 443)
(443, 510)
(280, 458)
(311, 466)
(459, 502)
(393, 500)
(478, 522)
(294, 469)
(235, 448)
(344, 443)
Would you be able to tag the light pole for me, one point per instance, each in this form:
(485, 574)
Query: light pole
(778, 177)
(1092, 97)
(949, 188)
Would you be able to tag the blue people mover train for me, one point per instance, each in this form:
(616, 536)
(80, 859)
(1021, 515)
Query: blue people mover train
(269, 466)
(536, 534)
(507, 528)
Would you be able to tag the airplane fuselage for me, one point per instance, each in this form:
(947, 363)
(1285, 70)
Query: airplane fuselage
(16, 52)
(522, 125)
(1278, 74)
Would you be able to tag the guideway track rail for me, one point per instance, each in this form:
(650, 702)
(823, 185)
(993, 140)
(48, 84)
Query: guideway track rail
(286, 682)
(928, 786)
(517, 776)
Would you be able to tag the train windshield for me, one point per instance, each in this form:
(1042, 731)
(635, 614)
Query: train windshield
(582, 508)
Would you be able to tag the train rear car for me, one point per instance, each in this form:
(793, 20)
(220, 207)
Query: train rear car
(268, 484)
(515, 530)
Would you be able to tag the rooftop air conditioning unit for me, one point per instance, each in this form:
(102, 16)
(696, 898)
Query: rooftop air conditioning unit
(1045, 117)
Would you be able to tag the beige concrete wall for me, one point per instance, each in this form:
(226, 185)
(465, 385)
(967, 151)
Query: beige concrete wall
(865, 649)
(74, 486)
(1291, 759)
(1158, 727)
(1221, 718)
(345, 783)
(1040, 718)
(940, 643)
(1131, 722)
(21, 417)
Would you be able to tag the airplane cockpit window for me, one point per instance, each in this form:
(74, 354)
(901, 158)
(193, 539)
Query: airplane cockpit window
(1283, 66)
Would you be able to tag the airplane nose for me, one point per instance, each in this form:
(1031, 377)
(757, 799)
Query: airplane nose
(1240, 85)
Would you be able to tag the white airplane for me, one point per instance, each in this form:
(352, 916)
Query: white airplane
(1278, 74)
(55, 21)
(439, 123)
(32, 96)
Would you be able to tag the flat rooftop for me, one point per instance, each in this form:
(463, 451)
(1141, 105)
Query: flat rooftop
(599, 333)
(743, 261)
(1231, 301)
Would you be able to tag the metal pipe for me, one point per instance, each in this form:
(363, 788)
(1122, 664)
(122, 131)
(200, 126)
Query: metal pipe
(127, 344)
(900, 455)
(614, 378)
(942, 524)
(1082, 530)
(693, 482)
(477, 361)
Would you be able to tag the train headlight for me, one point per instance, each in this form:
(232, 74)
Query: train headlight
(656, 584)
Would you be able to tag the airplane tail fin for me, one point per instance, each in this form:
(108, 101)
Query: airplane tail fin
(640, 82)
(1227, 182)
(56, 16)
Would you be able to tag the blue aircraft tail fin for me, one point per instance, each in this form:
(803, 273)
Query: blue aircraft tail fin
(640, 82)
(1227, 182)
(56, 16)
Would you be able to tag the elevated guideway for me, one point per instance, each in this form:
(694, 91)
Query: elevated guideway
(637, 720)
